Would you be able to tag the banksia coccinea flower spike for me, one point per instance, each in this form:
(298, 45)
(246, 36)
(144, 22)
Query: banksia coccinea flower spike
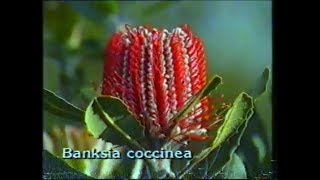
(155, 72)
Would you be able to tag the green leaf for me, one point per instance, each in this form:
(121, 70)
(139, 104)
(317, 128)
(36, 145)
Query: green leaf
(235, 122)
(240, 112)
(219, 157)
(108, 118)
(95, 125)
(234, 169)
(230, 133)
(207, 90)
(256, 146)
(223, 154)
(263, 105)
(60, 107)
(263, 83)
(54, 168)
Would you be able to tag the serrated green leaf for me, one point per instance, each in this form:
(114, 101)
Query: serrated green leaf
(230, 133)
(219, 157)
(241, 111)
(235, 122)
(256, 146)
(60, 107)
(263, 105)
(223, 155)
(262, 84)
(120, 127)
(54, 168)
(94, 124)
(234, 169)
(207, 90)
(108, 118)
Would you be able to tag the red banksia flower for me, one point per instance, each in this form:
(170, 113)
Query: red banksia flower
(155, 72)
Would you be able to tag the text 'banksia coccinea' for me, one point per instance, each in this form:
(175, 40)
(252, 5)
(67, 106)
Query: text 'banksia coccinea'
(155, 72)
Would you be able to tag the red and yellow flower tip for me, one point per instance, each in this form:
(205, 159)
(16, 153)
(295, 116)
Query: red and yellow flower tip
(155, 72)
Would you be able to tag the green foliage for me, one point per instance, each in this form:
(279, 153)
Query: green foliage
(54, 168)
(263, 105)
(234, 169)
(240, 112)
(233, 126)
(95, 125)
(108, 118)
(219, 159)
(256, 149)
(61, 107)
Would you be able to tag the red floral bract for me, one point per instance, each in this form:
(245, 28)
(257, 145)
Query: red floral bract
(155, 72)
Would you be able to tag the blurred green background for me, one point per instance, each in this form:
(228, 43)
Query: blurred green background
(237, 37)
